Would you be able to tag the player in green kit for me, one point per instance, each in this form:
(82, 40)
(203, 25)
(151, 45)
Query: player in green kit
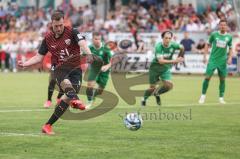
(221, 43)
(99, 71)
(160, 68)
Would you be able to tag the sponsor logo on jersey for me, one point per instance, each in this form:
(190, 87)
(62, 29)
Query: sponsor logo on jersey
(221, 43)
(68, 41)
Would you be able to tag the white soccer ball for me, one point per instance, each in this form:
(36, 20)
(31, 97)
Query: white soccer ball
(133, 121)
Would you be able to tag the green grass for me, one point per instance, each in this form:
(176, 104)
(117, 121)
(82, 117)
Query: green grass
(213, 132)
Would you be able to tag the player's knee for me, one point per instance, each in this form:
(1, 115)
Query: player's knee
(152, 88)
(222, 78)
(208, 78)
(90, 84)
(65, 84)
(169, 85)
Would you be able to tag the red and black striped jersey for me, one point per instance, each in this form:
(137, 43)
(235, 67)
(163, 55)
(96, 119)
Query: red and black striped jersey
(65, 49)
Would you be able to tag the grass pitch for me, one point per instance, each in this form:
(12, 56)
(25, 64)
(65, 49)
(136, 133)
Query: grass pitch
(180, 129)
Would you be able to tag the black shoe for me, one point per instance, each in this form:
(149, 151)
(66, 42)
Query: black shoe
(158, 99)
(143, 103)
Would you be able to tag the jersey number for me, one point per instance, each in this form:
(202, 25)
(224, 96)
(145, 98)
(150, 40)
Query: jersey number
(63, 54)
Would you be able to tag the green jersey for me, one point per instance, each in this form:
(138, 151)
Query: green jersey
(220, 45)
(165, 53)
(104, 53)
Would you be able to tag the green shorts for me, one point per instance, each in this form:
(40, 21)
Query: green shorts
(222, 70)
(155, 76)
(101, 78)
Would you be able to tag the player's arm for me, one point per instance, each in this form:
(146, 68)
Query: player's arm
(205, 52)
(84, 46)
(109, 65)
(161, 60)
(81, 40)
(230, 52)
(106, 67)
(181, 51)
(37, 58)
(206, 48)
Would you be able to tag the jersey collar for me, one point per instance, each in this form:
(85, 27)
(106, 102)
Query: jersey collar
(165, 46)
(99, 47)
(221, 33)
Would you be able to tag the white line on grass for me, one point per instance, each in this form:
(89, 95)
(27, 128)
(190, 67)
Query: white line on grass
(23, 110)
(165, 106)
(19, 134)
(197, 104)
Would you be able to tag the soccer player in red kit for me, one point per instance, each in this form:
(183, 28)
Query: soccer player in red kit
(64, 44)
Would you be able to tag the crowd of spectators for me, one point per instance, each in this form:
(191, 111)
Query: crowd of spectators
(135, 16)
(147, 16)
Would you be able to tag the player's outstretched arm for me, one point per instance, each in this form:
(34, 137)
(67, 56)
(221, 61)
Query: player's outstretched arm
(205, 52)
(181, 53)
(106, 67)
(84, 46)
(34, 60)
(164, 61)
(230, 54)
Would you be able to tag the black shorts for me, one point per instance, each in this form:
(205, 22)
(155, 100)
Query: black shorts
(73, 75)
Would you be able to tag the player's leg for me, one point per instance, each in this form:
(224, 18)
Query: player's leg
(60, 94)
(153, 79)
(222, 73)
(101, 80)
(51, 87)
(209, 72)
(92, 76)
(90, 93)
(166, 86)
(69, 98)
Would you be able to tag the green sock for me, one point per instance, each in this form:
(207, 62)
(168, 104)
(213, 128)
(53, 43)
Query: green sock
(147, 93)
(221, 88)
(205, 86)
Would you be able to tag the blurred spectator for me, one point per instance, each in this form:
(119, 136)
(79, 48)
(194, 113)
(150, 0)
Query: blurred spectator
(112, 5)
(187, 42)
(191, 26)
(151, 16)
(13, 49)
(200, 46)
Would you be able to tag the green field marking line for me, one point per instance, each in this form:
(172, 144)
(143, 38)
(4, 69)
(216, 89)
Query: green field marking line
(167, 105)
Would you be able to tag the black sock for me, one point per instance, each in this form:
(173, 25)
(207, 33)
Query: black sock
(58, 112)
(50, 93)
(89, 93)
(60, 94)
(51, 89)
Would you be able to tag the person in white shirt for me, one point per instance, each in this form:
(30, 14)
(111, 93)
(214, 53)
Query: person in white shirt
(13, 50)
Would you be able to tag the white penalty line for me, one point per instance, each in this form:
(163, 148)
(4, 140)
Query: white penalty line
(130, 106)
(20, 134)
(23, 110)
(183, 105)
